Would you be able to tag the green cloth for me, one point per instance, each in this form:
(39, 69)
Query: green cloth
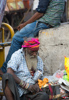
(53, 13)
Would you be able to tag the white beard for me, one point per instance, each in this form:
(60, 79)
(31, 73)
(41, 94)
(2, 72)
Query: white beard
(31, 61)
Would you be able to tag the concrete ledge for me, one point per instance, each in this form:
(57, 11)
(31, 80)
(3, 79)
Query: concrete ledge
(54, 46)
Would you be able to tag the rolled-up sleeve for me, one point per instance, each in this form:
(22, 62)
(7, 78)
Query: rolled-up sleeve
(43, 4)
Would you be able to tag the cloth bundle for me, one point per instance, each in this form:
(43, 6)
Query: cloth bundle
(53, 91)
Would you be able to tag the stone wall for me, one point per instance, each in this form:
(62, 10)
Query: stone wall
(54, 46)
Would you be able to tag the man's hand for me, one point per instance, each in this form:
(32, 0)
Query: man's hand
(34, 88)
(21, 26)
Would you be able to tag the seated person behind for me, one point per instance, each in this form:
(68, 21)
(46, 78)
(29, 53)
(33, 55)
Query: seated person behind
(48, 14)
(26, 68)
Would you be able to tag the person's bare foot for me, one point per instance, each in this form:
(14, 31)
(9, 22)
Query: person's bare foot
(1, 73)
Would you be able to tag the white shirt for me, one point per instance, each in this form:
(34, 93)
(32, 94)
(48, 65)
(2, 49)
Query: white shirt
(18, 64)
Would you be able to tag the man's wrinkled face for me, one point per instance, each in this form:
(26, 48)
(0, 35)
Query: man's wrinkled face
(32, 53)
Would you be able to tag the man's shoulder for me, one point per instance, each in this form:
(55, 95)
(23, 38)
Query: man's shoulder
(38, 57)
(18, 52)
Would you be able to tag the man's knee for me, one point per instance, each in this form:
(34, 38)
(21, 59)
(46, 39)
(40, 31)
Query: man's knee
(6, 84)
(6, 87)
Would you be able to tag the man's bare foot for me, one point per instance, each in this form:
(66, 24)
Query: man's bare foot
(1, 73)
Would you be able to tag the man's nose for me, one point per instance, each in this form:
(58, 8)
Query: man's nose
(34, 53)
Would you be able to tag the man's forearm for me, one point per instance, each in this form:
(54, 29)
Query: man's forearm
(21, 83)
(35, 17)
(17, 80)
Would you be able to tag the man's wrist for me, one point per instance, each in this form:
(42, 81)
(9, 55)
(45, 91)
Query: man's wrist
(21, 83)
(24, 85)
(27, 85)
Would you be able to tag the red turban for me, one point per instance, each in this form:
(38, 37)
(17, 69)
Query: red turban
(32, 44)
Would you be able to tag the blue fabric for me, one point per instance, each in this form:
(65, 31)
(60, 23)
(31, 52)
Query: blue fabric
(30, 30)
(18, 64)
(42, 7)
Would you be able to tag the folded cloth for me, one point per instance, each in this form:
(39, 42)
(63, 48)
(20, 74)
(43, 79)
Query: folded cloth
(53, 91)
(11, 84)
(1, 86)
